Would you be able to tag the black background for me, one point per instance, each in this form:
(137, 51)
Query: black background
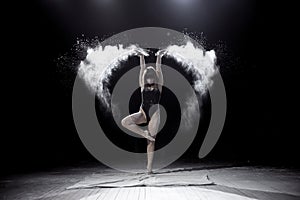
(252, 42)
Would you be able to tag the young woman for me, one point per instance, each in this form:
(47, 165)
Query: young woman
(151, 82)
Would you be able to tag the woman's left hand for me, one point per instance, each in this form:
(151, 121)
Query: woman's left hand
(161, 52)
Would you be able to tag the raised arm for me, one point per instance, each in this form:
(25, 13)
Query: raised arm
(159, 55)
(143, 66)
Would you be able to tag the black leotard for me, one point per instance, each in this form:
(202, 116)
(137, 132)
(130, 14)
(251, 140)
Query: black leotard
(150, 96)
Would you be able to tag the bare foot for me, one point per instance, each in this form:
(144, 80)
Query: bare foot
(148, 136)
(149, 172)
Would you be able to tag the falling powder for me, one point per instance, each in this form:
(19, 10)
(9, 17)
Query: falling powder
(100, 63)
(196, 60)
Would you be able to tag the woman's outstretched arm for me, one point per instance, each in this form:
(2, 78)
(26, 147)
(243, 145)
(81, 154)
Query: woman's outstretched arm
(143, 66)
(159, 55)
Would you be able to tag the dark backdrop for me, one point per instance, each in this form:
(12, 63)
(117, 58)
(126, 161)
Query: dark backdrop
(252, 45)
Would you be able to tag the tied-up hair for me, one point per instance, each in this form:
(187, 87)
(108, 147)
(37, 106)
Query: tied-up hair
(150, 73)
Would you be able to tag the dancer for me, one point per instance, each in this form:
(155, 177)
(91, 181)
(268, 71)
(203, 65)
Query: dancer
(151, 82)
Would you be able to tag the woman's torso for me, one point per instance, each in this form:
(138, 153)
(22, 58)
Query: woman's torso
(150, 96)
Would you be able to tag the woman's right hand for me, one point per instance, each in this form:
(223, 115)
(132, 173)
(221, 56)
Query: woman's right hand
(141, 52)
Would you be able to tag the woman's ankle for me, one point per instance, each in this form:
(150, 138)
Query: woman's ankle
(149, 170)
(148, 136)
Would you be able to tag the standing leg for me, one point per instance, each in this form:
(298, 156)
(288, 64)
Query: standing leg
(153, 128)
(130, 122)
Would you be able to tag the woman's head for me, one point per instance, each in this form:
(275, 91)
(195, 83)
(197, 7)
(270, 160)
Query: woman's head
(150, 75)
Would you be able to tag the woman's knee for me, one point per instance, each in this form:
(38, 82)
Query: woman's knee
(126, 121)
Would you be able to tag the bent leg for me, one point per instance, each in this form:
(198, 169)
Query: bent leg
(130, 122)
(153, 129)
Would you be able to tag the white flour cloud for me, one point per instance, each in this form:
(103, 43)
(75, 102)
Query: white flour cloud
(100, 63)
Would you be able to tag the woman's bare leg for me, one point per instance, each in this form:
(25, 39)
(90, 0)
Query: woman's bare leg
(130, 122)
(153, 128)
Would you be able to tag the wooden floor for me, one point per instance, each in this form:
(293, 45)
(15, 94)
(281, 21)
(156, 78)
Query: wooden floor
(230, 183)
